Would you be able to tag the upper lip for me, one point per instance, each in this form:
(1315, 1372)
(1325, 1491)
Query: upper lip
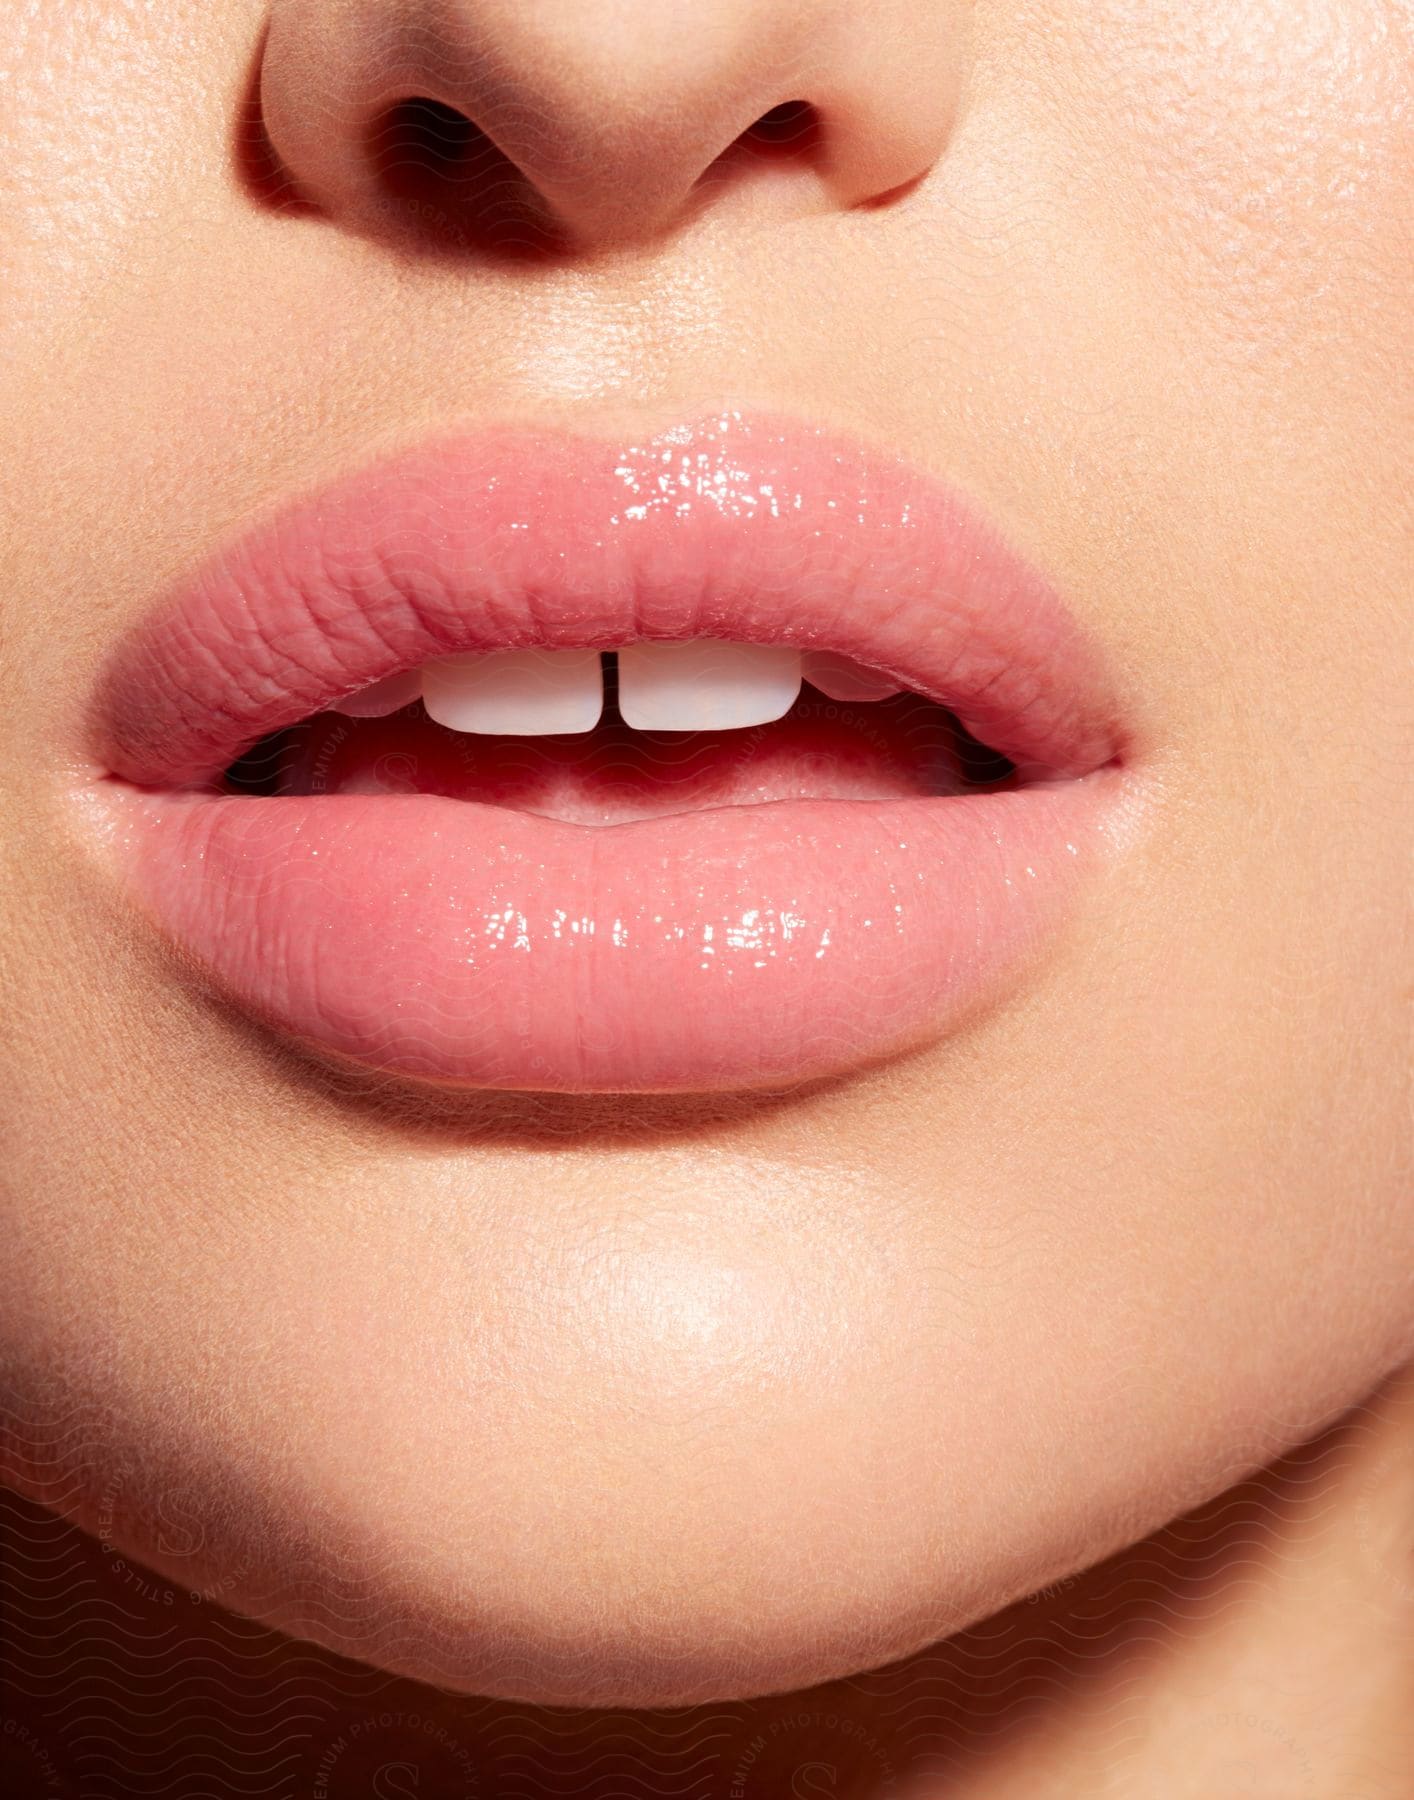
(749, 528)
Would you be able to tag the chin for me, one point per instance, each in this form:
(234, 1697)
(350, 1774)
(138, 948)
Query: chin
(677, 1629)
(653, 1462)
(685, 1550)
(645, 1446)
(712, 1569)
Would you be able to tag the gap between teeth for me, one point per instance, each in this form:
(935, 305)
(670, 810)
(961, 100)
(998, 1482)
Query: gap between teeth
(701, 685)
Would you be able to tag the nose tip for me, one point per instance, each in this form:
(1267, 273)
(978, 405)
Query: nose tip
(597, 122)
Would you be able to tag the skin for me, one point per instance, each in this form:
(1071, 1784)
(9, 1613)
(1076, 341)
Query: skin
(691, 1401)
(1258, 1649)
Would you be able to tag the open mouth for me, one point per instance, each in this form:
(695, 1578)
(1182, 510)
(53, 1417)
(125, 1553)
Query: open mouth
(740, 755)
(604, 738)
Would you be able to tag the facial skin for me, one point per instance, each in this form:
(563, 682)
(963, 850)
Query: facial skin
(668, 1400)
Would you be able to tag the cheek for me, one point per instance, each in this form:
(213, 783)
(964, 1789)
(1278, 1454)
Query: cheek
(101, 106)
(1258, 155)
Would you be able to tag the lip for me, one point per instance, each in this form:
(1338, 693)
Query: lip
(739, 945)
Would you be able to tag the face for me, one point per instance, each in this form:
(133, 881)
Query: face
(605, 1326)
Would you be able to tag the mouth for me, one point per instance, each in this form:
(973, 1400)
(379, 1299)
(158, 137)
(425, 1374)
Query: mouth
(739, 755)
(606, 738)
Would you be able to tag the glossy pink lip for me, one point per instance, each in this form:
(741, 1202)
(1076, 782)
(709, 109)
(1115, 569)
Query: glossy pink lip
(728, 947)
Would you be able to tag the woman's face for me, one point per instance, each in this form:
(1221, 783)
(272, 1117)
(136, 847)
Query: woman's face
(725, 1363)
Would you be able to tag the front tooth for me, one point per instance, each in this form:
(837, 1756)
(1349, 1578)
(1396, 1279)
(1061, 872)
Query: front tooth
(706, 685)
(520, 693)
(842, 678)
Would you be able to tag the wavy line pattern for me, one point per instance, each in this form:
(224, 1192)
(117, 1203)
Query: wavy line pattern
(116, 1684)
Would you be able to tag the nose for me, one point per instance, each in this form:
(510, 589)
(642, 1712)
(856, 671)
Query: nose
(600, 122)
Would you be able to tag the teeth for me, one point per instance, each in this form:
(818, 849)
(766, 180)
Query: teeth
(520, 693)
(706, 685)
(841, 678)
(703, 685)
(384, 697)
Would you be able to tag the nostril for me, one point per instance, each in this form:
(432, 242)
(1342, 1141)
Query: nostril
(446, 180)
(789, 134)
(443, 179)
(421, 137)
(791, 129)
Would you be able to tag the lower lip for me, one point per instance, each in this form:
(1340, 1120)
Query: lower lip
(733, 947)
